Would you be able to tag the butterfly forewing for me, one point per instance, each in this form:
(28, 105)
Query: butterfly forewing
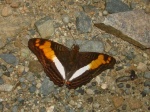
(48, 65)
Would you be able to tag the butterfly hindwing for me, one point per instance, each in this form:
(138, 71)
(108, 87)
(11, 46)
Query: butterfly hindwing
(37, 46)
(87, 76)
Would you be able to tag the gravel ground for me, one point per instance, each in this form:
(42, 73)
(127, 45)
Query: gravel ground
(24, 86)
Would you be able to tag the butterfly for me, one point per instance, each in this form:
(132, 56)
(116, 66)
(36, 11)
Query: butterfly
(65, 66)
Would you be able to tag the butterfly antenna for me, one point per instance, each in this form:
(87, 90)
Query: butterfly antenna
(87, 41)
(72, 35)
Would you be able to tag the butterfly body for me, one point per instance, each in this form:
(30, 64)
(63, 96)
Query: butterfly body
(66, 66)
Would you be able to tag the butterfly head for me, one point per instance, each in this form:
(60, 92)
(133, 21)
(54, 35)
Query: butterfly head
(75, 47)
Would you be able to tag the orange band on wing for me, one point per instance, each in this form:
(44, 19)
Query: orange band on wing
(99, 61)
(46, 48)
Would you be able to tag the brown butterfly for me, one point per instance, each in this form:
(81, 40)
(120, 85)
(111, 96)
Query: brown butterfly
(69, 67)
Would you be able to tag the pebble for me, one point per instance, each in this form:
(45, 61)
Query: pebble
(120, 85)
(83, 23)
(89, 91)
(114, 6)
(6, 87)
(123, 79)
(20, 100)
(1, 106)
(6, 11)
(21, 79)
(35, 66)
(81, 91)
(124, 107)
(42, 109)
(104, 86)
(32, 89)
(105, 12)
(9, 58)
(47, 87)
(117, 101)
(14, 4)
(15, 108)
(23, 85)
(1, 81)
(134, 103)
(65, 18)
(30, 77)
(142, 67)
(90, 100)
(147, 75)
(145, 91)
(147, 83)
(45, 27)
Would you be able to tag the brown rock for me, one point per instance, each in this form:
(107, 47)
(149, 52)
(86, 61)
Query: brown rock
(35, 66)
(118, 101)
(15, 4)
(8, 1)
(6, 11)
(134, 104)
(131, 26)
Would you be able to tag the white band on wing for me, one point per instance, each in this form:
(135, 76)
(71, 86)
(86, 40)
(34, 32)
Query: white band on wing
(80, 72)
(59, 67)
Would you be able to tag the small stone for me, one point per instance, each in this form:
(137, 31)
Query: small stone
(47, 87)
(83, 23)
(142, 67)
(30, 77)
(21, 79)
(45, 27)
(9, 58)
(6, 11)
(42, 109)
(147, 83)
(15, 108)
(35, 66)
(1, 81)
(1, 106)
(6, 87)
(89, 91)
(118, 101)
(90, 100)
(96, 105)
(104, 86)
(105, 13)
(120, 85)
(114, 6)
(128, 85)
(20, 100)
(123, 79)
(134, 104)
(32, 89)
(65, 19)
(15, 4)
(147, 75)
(81, 91)
(124, 107)
(8, 1)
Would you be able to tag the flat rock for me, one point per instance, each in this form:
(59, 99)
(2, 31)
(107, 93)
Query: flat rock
(115, 6)
(87, 45)
(131, 26)
(45, 27)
